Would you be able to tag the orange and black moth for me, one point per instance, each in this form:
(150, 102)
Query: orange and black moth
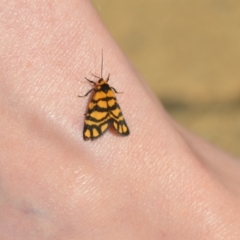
(103, 111)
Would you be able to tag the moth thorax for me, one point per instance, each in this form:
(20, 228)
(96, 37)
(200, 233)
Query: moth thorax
(104, 87)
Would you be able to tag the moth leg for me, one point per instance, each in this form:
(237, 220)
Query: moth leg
(108, 77)
(93, 89)
(90, 81)
(96, 76)
(115, 90)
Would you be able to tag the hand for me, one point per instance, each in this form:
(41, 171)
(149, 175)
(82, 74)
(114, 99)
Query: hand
(160, 182)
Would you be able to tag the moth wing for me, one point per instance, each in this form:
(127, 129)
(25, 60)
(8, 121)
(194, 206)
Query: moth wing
(97, 117)
(118, 120)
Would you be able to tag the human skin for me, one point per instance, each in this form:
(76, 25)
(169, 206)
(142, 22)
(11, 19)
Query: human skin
(160, 182)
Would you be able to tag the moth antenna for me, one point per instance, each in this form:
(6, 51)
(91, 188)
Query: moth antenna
(102, 64)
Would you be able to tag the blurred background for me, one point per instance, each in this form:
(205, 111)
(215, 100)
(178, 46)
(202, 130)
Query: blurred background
(189, 53)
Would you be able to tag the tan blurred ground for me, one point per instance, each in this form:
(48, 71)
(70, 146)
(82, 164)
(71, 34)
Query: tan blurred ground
(189, 53)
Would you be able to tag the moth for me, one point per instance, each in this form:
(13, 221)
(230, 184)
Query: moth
(103, 110)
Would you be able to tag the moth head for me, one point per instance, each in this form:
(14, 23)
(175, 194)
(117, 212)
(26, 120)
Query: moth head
(101, 81)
